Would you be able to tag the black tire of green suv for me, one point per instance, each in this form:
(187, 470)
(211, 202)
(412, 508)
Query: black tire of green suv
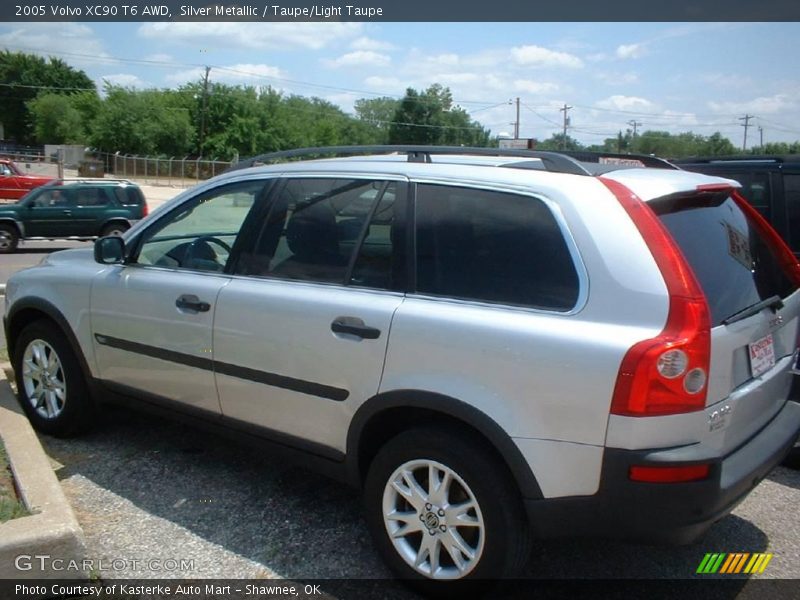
(9, 238)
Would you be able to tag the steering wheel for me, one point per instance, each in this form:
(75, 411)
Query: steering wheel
(199, 251)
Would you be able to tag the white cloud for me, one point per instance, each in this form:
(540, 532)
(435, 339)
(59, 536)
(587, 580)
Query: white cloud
(626, 51)
(534, 87)
(762, 105)
(616, 78)
(57, 39)
(365, 43)
(618, 102)
(385, 84)
(359, 58)
(536, 56)
(242, 73)
(125, 80)
(253, 36)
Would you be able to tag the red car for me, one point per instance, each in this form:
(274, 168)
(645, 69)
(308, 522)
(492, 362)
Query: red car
(14, 183)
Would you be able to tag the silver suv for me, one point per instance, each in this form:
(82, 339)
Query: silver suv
(491, 344)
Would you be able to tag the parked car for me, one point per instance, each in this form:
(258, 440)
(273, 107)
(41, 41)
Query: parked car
(77, 208)
(15, 183)
(490, 344)
(770, 183)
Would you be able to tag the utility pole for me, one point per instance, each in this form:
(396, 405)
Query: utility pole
(516, 123)
(746, 118)
(565, 109)
(760, 137)
(635, 124)
(204, 105)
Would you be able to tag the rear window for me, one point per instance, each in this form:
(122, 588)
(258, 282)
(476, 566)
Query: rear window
(735, 266)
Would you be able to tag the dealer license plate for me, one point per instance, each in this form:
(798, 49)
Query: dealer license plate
(762, 355)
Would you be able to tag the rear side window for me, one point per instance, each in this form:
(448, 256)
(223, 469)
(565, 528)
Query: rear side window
(492, 246)
(90, 196)
(735, 266)
(128, 195)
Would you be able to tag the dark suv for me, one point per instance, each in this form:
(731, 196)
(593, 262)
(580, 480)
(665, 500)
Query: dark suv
(80, 208)
(770, 183)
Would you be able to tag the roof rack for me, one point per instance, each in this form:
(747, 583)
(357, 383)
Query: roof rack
(617, 159)
(92, 180)
(552, 161)
(777, 158)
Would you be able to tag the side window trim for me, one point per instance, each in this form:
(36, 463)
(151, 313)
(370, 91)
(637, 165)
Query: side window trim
(362, 235)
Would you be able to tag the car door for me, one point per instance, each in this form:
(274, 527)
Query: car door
(50, 213)
(301, 331)
(152, 317)
(91, 204)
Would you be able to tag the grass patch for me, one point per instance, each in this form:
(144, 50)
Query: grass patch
(10, 506)
(4, 354)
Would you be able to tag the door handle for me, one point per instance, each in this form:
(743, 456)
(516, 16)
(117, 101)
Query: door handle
(192, 302)
(356, 327)
(68, 213)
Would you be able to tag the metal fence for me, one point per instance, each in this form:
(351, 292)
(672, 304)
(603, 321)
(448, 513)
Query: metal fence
(150, 170)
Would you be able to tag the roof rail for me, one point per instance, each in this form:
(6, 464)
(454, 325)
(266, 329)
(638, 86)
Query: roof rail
(552, 161)
(778, 158)
(614, 158)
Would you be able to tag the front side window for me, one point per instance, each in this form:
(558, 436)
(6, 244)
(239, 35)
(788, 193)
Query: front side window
(201, 234)
(492, 246)
(315, 226)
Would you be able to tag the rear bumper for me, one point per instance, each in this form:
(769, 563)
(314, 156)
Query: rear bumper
(668, 512)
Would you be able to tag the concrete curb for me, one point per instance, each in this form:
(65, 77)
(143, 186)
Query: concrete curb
(53, 531)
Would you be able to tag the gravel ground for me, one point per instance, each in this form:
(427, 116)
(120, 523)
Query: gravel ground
(145, 488)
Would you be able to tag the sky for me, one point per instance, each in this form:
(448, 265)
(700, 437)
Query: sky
(700, 77)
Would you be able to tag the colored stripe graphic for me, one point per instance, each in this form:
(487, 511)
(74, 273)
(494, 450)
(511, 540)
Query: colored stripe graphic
(735, 562)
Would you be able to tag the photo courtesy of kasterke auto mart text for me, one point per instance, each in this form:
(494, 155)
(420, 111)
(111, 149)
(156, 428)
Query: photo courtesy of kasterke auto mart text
(492, 345)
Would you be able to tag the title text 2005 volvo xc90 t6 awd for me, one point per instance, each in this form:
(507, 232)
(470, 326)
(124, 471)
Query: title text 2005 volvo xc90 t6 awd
(481, 340)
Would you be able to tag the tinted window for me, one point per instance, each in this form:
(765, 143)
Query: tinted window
(313, 228)
(791, 192)
(492, 246)
(128, 195)
(90, 196)
(733, 264)
(201, 234)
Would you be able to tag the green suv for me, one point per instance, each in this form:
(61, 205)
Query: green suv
(78, 208)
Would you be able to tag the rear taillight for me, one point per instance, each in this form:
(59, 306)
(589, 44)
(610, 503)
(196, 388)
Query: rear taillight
(145, 209)
(666, 374)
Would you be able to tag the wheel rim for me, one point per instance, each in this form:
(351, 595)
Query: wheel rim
(115, 232)
(433, 520)
(5, 240)
(43, 379)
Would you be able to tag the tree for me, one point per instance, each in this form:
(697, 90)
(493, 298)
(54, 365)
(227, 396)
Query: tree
(142, 122)
(378, 113)
(56, 120)
(558, 142)
(429, 118)
(26, 76)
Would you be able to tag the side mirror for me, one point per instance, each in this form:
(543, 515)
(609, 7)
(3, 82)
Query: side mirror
(109, 250)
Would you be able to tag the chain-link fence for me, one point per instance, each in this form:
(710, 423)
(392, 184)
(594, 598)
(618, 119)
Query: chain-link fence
(183, 171)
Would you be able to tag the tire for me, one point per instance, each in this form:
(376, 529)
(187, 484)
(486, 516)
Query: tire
(492, 527)
(51, 387)
(792, 460)
(9, 238)
(116, 229)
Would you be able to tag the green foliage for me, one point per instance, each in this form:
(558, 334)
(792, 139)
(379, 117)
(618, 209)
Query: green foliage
(31, 75)
(558, 141)
(56, 120)
(429, 118)
(142, 122)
